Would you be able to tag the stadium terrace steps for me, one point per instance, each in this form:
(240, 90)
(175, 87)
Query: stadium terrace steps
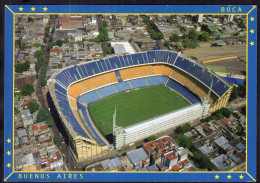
(99, 94)
(146, 82)
(138, 83)
(87, 122)
(90, 97)
(68, 114)
(156, 80)
(123, 86)
(106, 91)
(183, 91)
(189, 84)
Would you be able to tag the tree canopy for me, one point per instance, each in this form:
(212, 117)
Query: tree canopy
(21, 67)
(42, 115)
(30, 19)
(175, 38)
(202, 161)
(183, 141)
(152, 138)
(49, 122)
(204, 36)
(233, 94)
(193, 34)
(184, 128)
(27, 89)
(33, 106)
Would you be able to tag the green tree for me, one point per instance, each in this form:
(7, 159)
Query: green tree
(21, 67)
(236, 34)
(182, 29)
(59, 42)
(16, 111)
(44, 39)
(229, 136)
(210, 118)
(110, 50)
(27, 89)
(18, 42)
(130, 40)
(56, 140)
(219, 115)
(30, 19)
(190, 44)
(218, 37)
(36, 44)
(33, 107)
(174, 38)
(23, 45)
(202, 161)
(242, 91)
(66, 41)
(113, 17)
(184, 128)
(239, 130)
(140, 44)
(226, 112)
(152, 138)
(166, 43)
(51, 38)
(243, 110)
(233, 94)
(42, 115)
(49, 122)
(104, 23)
(193, 34)
(204, 36)
(184, 141)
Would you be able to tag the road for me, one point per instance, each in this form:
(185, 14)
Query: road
(70, 162)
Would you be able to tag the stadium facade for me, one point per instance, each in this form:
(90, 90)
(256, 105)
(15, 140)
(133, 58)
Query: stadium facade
(74, 88)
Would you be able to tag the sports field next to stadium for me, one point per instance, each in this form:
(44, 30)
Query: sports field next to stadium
(135, 106)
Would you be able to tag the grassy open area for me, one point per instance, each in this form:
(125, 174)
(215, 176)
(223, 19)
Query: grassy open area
(135, 106)
(217, 68)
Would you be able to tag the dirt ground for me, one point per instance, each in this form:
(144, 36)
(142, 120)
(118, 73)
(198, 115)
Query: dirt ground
(231, 65)
(206, 52)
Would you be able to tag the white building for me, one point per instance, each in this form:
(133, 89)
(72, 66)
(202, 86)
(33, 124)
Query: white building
(131, 134)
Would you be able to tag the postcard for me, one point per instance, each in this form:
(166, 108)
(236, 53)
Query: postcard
(130, 93)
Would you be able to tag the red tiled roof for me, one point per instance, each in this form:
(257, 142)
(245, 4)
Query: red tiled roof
(43, 127)
(16, 45)
(206, 127)
(170, 155)
(182, 163)
(58, 157)
(71, 19)
(175, 167)
(34, 127)
(38, 167)
(226, 121)
(25, 104)
(41, 34)
(56, 50)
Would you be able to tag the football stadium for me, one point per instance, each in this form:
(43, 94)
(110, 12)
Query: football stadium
(132, 97)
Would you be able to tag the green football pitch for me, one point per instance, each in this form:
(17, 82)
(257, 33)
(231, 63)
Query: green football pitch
(135, 106)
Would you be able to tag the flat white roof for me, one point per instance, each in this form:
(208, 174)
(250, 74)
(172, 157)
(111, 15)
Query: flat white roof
(166, 117)
(128, 48)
